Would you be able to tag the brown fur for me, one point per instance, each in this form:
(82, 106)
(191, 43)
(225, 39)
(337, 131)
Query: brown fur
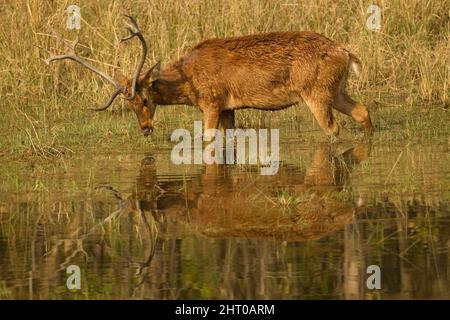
(268, 71)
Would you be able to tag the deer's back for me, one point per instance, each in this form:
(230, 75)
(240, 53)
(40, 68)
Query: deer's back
(266, 71)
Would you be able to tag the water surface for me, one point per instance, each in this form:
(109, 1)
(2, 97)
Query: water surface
(140, 227)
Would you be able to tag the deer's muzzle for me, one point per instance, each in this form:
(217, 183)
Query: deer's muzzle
(147, 131)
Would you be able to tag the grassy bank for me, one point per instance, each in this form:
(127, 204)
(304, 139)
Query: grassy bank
(44, 109)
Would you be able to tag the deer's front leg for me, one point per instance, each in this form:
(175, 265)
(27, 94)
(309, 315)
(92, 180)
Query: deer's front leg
(227, 119)
(211, 119)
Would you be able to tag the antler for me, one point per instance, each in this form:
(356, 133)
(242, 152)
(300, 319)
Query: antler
(134, 30)
(75, 57)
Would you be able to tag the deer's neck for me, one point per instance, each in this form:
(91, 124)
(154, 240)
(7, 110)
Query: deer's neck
(172, 87)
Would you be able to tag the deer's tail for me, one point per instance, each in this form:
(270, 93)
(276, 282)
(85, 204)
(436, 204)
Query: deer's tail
(354, 63)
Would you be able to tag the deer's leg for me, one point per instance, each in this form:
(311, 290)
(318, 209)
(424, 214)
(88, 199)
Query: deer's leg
(357, 111)
(321, 108)
(227, 122)
(211, 121)
(227, 119)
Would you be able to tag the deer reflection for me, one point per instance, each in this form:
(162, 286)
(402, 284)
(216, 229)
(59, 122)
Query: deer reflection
(230, 201)
(227, 201)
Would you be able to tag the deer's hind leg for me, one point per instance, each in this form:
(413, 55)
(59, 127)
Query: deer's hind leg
(321, 107)
(343, 103)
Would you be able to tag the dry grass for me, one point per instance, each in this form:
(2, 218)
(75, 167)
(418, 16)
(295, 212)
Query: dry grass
(45, 108)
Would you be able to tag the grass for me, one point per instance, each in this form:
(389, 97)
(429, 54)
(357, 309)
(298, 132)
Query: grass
(44, 109)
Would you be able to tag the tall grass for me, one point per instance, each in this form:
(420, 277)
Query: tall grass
(44, 109)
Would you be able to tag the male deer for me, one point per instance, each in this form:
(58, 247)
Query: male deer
(270, 71)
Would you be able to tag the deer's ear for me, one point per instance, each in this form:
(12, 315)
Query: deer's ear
(151, 74)
(121, 78)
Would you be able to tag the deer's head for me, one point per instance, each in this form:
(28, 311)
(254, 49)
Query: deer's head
(139, 98)
(134, 89)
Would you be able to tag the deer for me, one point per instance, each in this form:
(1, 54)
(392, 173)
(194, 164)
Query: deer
(266, 71)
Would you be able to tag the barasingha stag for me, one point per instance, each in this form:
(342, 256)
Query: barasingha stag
(269, 71)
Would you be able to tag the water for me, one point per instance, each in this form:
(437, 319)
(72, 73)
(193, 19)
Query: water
(140, 227)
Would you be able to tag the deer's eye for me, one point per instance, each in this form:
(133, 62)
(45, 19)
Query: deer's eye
(145, 101)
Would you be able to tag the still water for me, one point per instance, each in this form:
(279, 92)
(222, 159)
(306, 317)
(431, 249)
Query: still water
(140, 227)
